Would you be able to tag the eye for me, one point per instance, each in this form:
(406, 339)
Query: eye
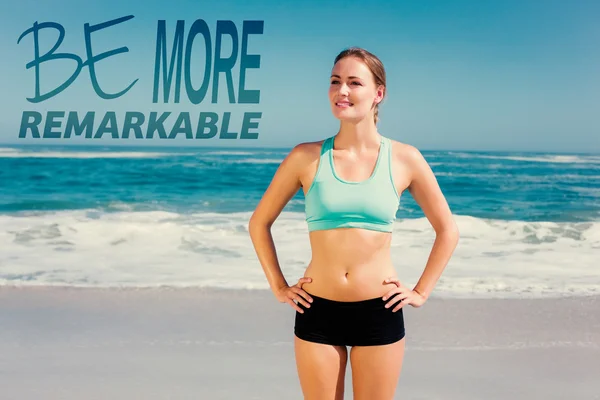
(334, 82)
(356, 83)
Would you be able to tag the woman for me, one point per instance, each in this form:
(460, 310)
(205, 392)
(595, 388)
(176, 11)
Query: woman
(350, 299)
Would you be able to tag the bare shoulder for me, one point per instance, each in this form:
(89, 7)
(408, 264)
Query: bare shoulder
(307, 150)
(289, 177)
(424, 187)
(304, 155)
(407, 155)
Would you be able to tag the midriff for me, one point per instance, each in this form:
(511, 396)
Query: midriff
(349, 264)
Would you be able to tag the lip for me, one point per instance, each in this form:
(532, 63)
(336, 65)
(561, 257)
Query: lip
(343, 104)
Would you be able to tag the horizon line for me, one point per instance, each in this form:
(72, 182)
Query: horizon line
(280, 147)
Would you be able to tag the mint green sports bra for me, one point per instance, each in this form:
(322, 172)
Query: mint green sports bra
(332, 202)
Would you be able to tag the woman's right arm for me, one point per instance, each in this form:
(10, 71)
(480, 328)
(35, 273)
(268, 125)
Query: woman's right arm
(283, 187)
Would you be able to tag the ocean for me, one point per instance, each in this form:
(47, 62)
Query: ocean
(119, 217)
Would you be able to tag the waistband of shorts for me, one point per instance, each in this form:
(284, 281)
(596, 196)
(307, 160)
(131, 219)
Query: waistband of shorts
(376, 301)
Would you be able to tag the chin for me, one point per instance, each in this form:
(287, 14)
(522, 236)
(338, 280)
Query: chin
(342, 114)
(346, 116)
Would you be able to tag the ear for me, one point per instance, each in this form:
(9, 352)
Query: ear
(380, 94)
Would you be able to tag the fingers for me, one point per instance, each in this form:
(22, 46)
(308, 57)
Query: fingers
(391, 293)
(295, 296)
(306, 279)
(397, 295)
(300, 296)
(302, 281)
(394, 281)
(404, 300)
(397, 298)
(294, 306)
(397, 289)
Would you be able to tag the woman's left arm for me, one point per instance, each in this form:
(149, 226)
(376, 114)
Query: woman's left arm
(426, 191)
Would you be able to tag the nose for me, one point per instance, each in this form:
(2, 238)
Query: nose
(343, 89)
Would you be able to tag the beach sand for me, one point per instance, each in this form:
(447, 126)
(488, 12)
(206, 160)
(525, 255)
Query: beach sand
(70, 343)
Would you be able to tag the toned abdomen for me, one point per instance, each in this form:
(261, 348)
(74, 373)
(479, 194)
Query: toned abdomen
(349, 264)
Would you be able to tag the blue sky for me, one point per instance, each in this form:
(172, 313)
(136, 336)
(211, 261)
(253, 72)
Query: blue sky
(462, 75)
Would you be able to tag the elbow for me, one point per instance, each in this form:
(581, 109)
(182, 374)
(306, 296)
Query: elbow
(451, 232)
(255, 223)
(252, 224)
(454, 233)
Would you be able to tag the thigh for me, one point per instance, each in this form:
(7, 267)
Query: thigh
(376, 370)
(321, 369)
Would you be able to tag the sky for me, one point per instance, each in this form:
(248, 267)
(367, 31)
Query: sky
(461, 75)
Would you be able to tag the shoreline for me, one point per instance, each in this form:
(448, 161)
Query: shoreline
(437, 294)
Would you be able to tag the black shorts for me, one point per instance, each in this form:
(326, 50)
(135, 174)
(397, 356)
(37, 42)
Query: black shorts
(349, 323)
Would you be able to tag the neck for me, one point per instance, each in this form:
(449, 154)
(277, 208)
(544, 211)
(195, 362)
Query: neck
(358, 136)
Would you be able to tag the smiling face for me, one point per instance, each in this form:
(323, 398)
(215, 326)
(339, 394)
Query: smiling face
(353, 92)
